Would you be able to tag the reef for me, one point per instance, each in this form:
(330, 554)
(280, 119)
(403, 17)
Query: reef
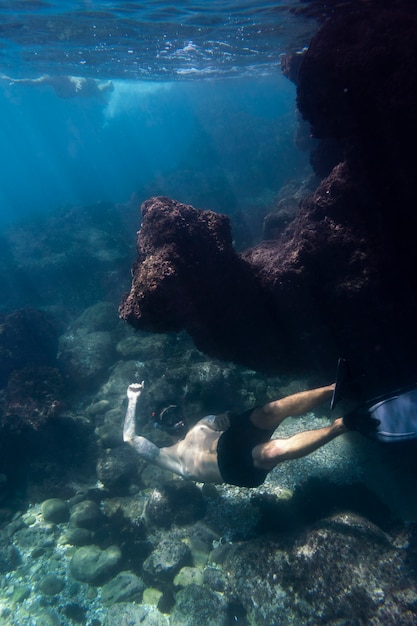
(341, 277)
(80, 510)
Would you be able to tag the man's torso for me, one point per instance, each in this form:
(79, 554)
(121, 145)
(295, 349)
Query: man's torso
(197, 453)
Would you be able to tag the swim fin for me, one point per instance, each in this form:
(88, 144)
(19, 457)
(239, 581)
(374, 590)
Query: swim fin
(361, 421)
(341, 376)
(348, 390)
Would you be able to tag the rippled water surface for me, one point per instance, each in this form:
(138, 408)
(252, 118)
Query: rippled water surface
(150, 40)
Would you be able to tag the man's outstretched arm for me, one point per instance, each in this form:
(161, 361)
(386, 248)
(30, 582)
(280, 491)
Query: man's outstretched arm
(145, 448)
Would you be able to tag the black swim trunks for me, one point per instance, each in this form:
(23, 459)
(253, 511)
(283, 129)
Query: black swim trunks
(234, 451)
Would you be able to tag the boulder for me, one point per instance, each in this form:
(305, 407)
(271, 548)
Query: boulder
(165, 561)
(90, 564)
(198, 605)
(55, 510)
(125, 587)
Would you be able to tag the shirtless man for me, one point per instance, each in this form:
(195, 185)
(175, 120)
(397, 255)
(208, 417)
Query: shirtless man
(235, 449)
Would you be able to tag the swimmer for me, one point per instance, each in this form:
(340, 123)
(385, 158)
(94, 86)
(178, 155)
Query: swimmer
(67, 86)
(230, 448)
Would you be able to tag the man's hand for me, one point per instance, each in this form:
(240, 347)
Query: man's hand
(135, 389)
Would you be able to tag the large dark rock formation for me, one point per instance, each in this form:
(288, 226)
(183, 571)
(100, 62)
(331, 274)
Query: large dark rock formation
(342, 278)
(188, 275)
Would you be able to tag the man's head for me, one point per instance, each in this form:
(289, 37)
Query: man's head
(171, 421)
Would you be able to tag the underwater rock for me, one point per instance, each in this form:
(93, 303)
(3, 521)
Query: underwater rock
(55, 510)
(175, 502)
(186, 256)
(51, 585)
(99, 317)
(263, 563)
(86, 514)
(129, 614)
(110, 436)
(290, 576)
(76, 537)
(117, 467)
(92, 565)
(9, 555)
(188, 576)
(85, 357)
(196, 604)
(165, 561)
(124, 587)
(341, 278)
(34, 395)
(28, 338)
(214, 578)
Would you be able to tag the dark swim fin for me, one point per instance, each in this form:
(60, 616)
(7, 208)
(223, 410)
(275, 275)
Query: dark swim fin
(348, 390)
(361, 421)
(341, 376)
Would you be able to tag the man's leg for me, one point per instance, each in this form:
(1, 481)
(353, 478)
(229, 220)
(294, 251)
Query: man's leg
(268, 455)
(272, 414)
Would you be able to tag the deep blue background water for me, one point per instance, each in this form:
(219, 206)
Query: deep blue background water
(199, 108)
(234, 136)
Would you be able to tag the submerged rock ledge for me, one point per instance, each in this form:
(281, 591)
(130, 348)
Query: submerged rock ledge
(342, 277)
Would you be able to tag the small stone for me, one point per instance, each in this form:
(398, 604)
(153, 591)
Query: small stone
(37, 552)
(55, 510)
(151, 596)
(20, 593)
(187, 576)
(51, 585)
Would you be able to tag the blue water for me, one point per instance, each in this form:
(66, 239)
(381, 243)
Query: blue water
(173, 90)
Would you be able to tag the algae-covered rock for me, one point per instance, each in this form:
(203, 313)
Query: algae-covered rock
(85, 357)
(124, 587)
(214, 579)
(92, 565)
(129, 614)
(117, 467)
(76, 537)
(86, 514)
(51, 585)
(176, 502)
(166, 561)
(55, 510)
(198, 605)
(151, 596)
(9, 555)
(110, 435)
(187, 576)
